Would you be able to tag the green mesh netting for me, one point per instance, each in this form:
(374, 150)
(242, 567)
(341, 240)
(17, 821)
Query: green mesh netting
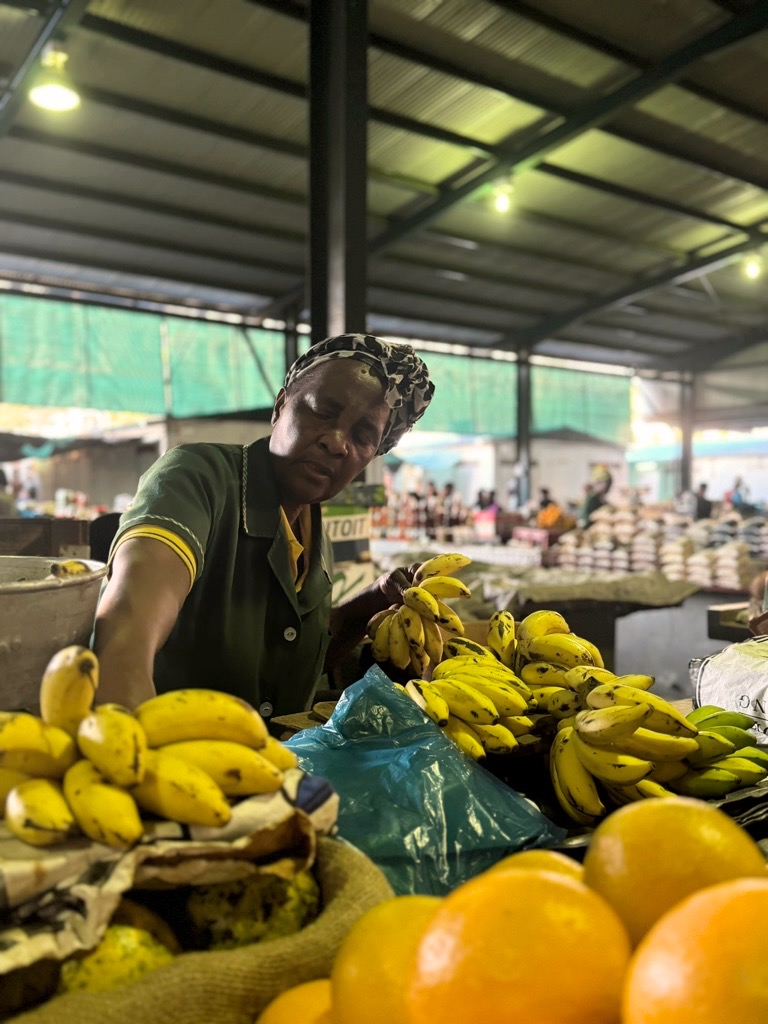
(64, 354)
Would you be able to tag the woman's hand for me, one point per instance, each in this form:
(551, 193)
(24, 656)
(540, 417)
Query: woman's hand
(393, 585)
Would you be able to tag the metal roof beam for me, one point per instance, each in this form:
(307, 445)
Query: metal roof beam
(594, 115)
(705, 357)
(636, 289)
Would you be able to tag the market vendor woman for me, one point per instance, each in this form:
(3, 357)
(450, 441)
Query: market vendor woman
(220, 571)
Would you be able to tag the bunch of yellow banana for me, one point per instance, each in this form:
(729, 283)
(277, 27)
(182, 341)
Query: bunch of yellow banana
(410, 635)
(480, 703)
(94, 771)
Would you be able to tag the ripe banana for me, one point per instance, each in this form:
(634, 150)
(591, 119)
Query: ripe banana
(441, 565)
(376, 620)
(282, 757)
(112, 739)
(37, 813)
(380, 643)
(605, 726)
(236, 769)
(458, 646)
(429, 700)
(583, 677)
(594, 650)
(557, 701)
(200, 714)
(709, 716)
(465, 702)
(707, 783)
(541, 623)
(69, 567)
(636, 679)
(518, 725)
(663, 718)
(68, 687)
(611, 765)
(496, 739)
(448, 619)
(711, 747)
(747, 771)
(666, 771)
(573, 784)
(422, 602)
(559, 649)
(465, 738)
(180, 791)
(105, 813)
(658, 746)
(484, 668)
(414, 627)
(399, 648)
(501, 637)
(433, 641)
(543, 673)
(419, 662)
(30, 745)
(642, 790)
(506, 699)
(445, 587)
(8, 779)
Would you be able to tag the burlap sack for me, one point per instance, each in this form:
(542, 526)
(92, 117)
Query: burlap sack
(233, 986)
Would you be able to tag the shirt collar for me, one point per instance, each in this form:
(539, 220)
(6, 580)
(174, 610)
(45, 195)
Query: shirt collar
(260, 504)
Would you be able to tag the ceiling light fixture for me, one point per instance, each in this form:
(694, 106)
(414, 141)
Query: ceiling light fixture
(52, 88)
(753, 267)
(502, 196)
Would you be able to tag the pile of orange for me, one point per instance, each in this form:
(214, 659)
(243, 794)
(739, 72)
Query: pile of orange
(665, 922)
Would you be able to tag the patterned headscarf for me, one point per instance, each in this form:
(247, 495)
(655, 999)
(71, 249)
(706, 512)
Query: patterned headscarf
(408, 389)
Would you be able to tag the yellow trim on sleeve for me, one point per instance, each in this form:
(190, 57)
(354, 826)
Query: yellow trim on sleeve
(171, 540)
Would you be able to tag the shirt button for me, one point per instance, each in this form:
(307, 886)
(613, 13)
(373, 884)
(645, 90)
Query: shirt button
(265, 709)
(290, 633)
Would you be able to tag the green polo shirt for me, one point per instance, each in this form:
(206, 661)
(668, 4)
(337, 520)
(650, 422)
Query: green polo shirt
(243, 627)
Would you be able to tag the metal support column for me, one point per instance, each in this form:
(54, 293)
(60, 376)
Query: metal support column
(338, 106)
(523, 468)
(687, 416)
(291, 338)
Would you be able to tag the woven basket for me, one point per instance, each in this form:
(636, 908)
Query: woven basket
(234, 986)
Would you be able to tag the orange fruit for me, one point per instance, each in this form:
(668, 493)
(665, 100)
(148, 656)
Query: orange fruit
(309, 1003)
(547, 860)
(705, 960)
(647, 856)
(369, 966)
(520, 945)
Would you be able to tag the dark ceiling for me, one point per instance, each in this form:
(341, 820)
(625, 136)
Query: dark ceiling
(636, 134)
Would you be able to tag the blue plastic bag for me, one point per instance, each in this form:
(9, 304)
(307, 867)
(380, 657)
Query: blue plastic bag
(424, 812)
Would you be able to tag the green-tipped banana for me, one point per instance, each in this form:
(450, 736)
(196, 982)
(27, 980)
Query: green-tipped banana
(441, 565)
(747, 771)
(712, 746)
(709, 716)
(429, 700)
(605, 726)
(735, 734)
(706, 783)
(663, 718)
(611, 765)
(757, 754)
(667, 771)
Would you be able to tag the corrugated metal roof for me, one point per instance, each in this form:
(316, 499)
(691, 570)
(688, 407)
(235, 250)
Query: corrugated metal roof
(640, 168)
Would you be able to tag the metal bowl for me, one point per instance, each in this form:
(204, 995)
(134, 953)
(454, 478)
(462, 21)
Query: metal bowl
(39, 616)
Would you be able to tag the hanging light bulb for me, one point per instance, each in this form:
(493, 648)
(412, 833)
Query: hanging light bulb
(753, 267)
(502, 196)
(52, 88)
